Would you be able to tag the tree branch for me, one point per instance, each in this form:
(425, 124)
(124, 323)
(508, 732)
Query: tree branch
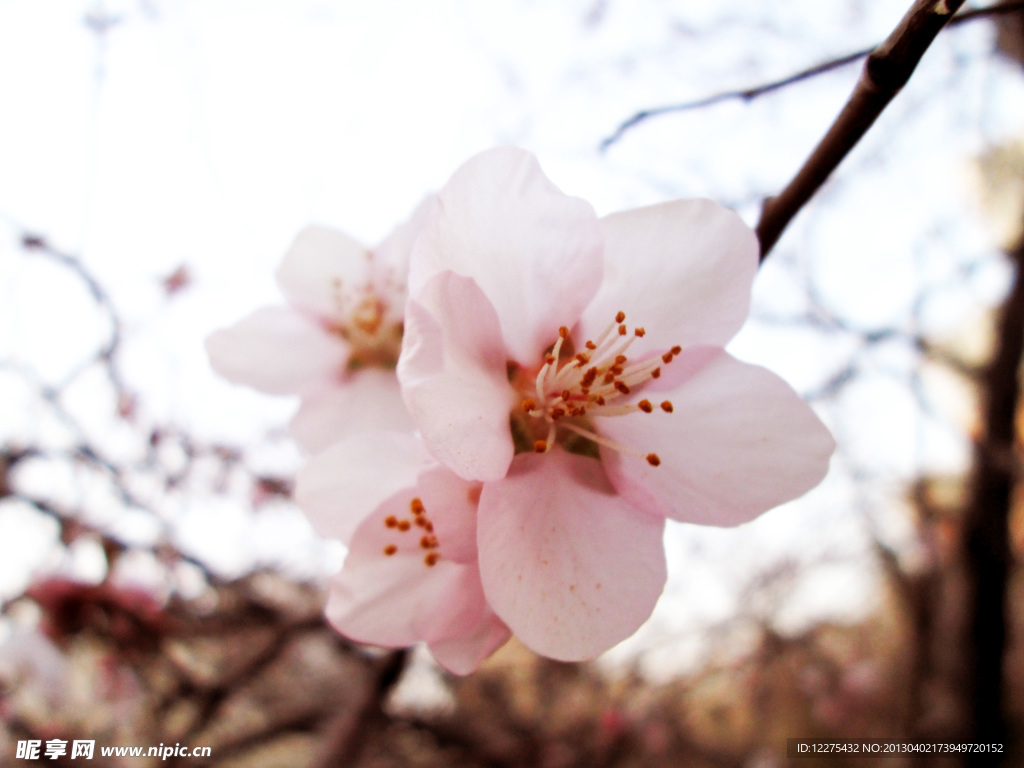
(749, 94)
(987, 554)
(886, 71)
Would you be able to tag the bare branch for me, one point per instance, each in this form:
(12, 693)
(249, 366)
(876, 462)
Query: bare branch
(749, 94)
(886, 71)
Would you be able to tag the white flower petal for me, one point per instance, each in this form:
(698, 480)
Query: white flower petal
(682, 270)
(339, 488)
(568, 564)
(397, 587)
(394, 251)
(534, 251)
(278, 351)
(462, 654)
(454, 377)
(366, 400)
(319, 262)
(738, 442)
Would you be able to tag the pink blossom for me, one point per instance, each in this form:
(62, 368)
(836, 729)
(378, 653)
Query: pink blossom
(412, 572)
(521, 373)
(336, 342)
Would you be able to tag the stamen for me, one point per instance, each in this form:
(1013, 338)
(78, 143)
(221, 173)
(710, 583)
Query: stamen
(604, 441)
(404, 525)
(416, 506)
(390, 521)
(390, 549)
(591, 383)
(431, 559)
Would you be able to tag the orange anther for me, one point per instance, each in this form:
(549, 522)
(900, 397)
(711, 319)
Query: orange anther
(622, 330)
(656, 373)
(645, 406)
(540, 446)
(666, 406)
(620, 317)
(431, 559)
(639, 331)
(416, 506)
(390, 521)
(653, 460)
(390, 549)
(404, 525)
(563, 332)
(621, 386)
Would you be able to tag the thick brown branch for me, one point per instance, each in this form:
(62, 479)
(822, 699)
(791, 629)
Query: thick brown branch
(987, 554)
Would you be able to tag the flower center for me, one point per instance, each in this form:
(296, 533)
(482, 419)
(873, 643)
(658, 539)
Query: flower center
(366, 320)
(571, 388)
(427, 542)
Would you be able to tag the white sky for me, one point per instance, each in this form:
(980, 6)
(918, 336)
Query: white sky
(207, 133)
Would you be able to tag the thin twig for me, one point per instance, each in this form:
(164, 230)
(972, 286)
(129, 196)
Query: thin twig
(749, 94)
